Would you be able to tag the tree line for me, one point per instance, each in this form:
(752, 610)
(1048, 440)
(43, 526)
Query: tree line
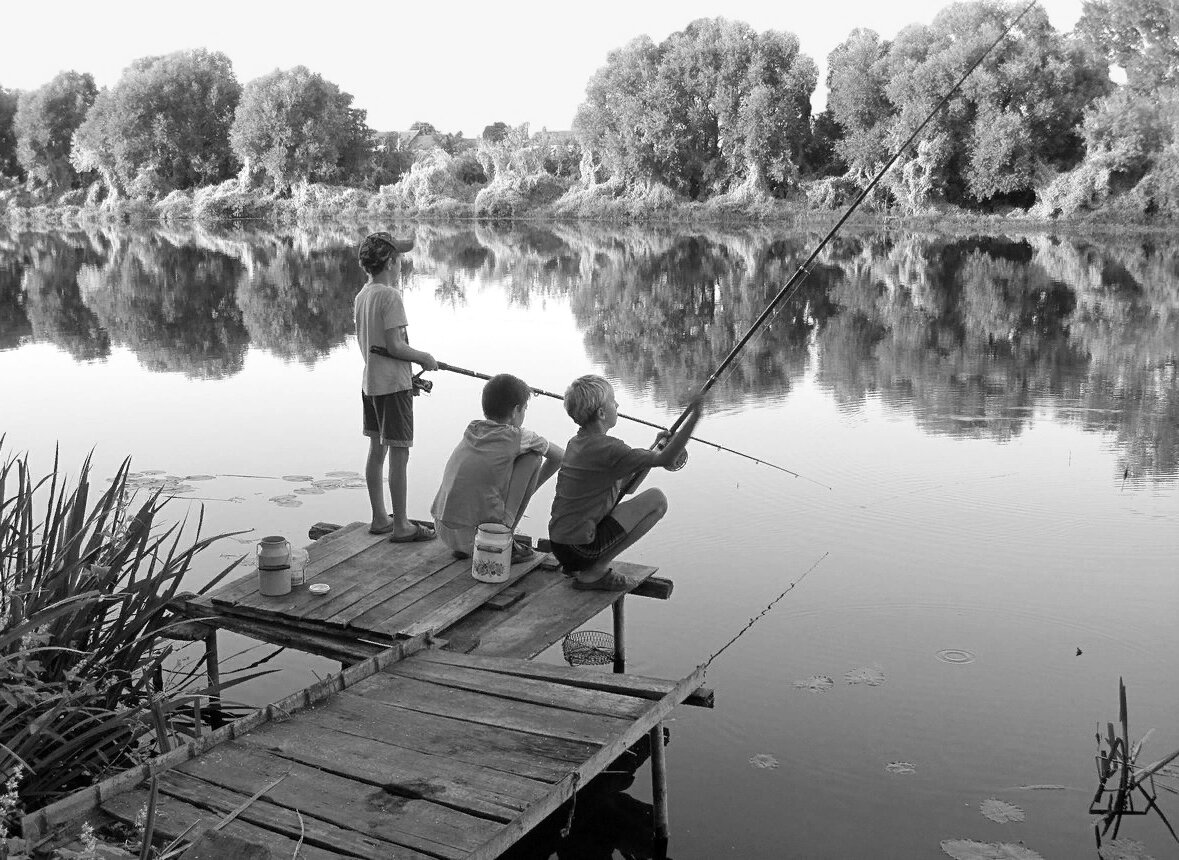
(716, 112)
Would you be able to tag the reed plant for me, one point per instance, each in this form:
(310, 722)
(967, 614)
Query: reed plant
(84, 590)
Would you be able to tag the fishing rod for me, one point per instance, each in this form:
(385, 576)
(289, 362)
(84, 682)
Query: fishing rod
(804, 270)
(450, 368)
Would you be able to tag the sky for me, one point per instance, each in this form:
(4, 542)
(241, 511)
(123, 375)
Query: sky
(458, 65)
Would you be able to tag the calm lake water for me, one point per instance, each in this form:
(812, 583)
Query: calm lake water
(987, 428)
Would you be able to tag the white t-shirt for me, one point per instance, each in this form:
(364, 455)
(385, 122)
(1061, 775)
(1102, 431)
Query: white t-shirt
(379, 307)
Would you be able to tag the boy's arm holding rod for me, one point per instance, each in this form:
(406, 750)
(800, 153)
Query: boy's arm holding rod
(668, 450)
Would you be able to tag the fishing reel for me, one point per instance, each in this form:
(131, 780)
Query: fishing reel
(421, 386)
(682, 460)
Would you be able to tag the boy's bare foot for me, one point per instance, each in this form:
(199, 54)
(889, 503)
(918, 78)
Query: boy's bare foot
(382, 529)
(416, 533)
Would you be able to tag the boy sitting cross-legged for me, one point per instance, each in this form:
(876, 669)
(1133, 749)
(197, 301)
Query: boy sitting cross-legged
(494, 471)
(589, 527)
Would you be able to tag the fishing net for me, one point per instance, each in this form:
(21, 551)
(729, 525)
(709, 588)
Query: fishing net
(588, 648)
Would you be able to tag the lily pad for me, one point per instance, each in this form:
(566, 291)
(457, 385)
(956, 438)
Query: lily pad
(310, 491)
(152, 472)
(342, 473)
(763, 761)
(296, 479)
(1123, 849)
(355, 484)
(328, 483)
(816, 684)
(199, 478)
(968, 849)
(1042, 787)
(873, 676)
(1000, 811)
(901, 767)
(179, 489)
(286, 501)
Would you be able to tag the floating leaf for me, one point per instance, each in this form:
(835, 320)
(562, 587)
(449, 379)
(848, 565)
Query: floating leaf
(1000, 811)
(901, 767)
(343, 473)
(199, 478)
(1045, 787)
(763, 761)
(152, 472)
(328, 483)
(286, 501)
(298, 479)
(1123, 849)
(968, 849)
(355, 484)
(816, 684)
(873, 677)
(179, 489)
(310, 491)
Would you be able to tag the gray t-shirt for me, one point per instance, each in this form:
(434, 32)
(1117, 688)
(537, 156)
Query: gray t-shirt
(379, 307)
(587, 483)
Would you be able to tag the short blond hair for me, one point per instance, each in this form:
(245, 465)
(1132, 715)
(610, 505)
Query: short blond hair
(585, 396)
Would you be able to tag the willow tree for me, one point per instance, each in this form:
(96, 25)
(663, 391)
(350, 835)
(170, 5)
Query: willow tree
(296, 127)
(163, 126)
(45, 121)
(714, 107)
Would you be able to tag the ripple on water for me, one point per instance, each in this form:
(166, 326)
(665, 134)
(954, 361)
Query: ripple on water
(955, 655)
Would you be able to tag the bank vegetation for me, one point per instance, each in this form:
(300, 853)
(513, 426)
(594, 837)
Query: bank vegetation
(713, 123)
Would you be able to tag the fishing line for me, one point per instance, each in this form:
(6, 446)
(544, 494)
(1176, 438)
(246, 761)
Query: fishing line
(800, 275)
(762, 614)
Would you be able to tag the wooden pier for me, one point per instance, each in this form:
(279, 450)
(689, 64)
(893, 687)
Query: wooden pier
(413, 750)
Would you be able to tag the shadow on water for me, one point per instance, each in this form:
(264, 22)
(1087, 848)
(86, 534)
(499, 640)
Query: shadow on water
(605, 822)
(972, 336)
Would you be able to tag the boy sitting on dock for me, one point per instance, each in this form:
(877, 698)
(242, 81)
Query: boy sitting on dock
(494, 471)
(387, 385)
(590, 527)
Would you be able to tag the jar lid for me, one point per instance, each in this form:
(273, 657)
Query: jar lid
(494, 529)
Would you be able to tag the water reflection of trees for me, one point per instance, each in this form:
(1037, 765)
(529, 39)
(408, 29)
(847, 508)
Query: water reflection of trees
(172, 304)
(971, 335)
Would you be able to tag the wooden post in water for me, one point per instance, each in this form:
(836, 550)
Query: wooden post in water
(619, 635)
(659, 785)
(212, 663)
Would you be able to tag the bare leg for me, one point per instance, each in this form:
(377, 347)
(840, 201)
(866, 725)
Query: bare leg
(526, 473)
(375, 483)
(398, 463)
(638, 516)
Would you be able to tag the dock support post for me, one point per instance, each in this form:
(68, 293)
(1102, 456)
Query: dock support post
(619, 635)
(659, 787)
(212, 663)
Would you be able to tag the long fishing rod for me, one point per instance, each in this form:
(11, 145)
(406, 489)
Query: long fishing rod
(804, 270)
(476, 375)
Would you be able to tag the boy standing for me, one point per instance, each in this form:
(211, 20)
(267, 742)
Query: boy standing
(494, 471)
(387, 387)
(589, 526)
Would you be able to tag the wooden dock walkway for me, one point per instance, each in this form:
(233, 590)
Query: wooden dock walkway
(414, 753)
(412, 750)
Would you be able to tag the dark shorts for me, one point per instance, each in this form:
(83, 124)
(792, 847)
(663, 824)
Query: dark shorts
(389, 417)
(609, 534)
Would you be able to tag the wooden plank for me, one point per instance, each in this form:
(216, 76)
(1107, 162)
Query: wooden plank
(366, 567)
(417, 824)
(392, 604)
(657, 587)
(546, 616)
(574, 676)
(477, 790)
(519, 689)
(345, 648)
(538, 757)
(456, 600)
(428, 698)
(387, 571)
(356, 602)
(317, 832)
(541, 809)
(173, 817)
